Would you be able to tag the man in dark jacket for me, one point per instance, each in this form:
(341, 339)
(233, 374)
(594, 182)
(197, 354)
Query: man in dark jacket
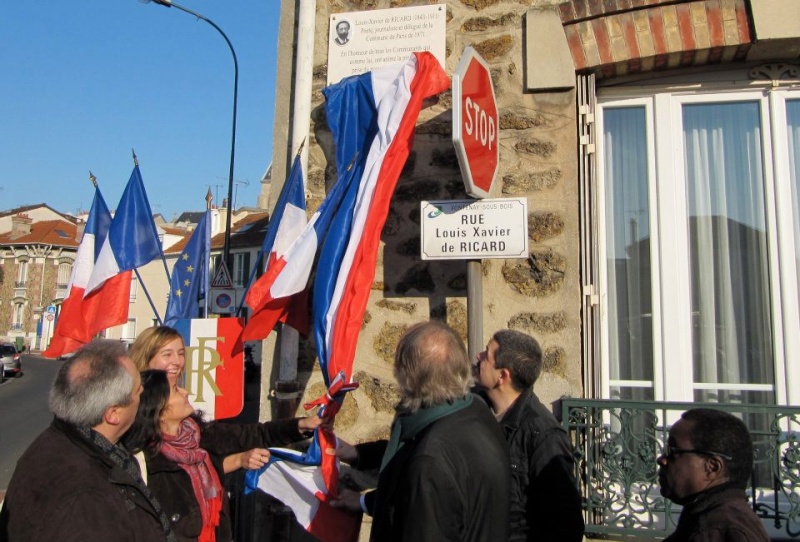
(75, 482)
(545, 503)
(705, 466)
(444, 473)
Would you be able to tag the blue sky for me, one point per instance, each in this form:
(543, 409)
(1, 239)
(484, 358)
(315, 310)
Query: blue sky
(84, 81)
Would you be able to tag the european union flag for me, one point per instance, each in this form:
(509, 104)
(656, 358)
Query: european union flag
(190, 275)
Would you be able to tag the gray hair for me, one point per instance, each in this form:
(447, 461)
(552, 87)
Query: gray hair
(431, 366)
(90, 382)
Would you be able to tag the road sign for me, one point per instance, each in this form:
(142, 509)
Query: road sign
(223, 300)
(222, 279)
(469, 229)
(475, 124)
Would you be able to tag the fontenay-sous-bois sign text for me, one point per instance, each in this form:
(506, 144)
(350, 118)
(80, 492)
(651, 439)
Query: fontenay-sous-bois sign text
(474, 229)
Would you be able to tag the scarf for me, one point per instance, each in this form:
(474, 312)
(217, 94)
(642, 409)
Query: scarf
(406, 426)
(120, 457)
(184, 449)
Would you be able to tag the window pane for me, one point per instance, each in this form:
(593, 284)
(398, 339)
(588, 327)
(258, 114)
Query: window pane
(793, 125)
(731, 313)
(628, 247)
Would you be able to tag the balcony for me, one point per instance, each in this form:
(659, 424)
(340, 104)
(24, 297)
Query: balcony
(616, 446)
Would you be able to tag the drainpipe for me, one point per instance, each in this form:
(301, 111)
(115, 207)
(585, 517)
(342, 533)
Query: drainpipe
(287, 387)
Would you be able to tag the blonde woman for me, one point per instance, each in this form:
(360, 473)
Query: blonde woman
(162, 348)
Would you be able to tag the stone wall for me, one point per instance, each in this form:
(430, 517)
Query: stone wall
(539, 295)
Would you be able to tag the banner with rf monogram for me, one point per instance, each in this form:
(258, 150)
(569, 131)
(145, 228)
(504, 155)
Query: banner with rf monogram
(214, 365)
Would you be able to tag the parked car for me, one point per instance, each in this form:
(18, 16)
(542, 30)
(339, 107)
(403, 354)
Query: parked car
(12, 366)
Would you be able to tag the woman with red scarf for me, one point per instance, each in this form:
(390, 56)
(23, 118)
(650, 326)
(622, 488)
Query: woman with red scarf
(182, 473)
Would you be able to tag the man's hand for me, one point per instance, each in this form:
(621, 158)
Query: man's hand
(309, 424)
(348, 500)
(346, 451)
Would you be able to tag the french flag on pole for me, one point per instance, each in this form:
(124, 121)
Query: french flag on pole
(214, 373)
(82, 318)
(290, 275)
(132, 239)
(285, 226)
(372, 117)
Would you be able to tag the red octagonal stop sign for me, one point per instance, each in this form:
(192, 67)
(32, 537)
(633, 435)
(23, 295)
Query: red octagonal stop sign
(475, 124)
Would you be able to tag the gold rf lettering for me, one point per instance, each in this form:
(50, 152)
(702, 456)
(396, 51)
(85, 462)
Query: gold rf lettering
(200, 361)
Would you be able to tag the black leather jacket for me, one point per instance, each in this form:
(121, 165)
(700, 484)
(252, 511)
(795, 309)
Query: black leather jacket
(719, 514)
(545, 503)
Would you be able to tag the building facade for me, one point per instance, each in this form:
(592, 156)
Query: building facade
(658, 145)
(36, 258)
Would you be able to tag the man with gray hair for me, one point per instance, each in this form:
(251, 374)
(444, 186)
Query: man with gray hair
(75, 482)
(444, 473)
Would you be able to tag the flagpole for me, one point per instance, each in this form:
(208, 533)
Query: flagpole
(161, 246)
(147, 295)
(207, 257)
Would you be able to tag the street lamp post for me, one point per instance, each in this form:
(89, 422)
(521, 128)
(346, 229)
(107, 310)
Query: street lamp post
(168, 3)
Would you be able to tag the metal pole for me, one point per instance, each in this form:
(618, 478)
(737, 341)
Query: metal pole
(227, 246)
(287, 387)
(474, 308)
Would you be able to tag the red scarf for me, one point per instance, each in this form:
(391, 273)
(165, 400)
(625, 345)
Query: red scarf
(185, 450)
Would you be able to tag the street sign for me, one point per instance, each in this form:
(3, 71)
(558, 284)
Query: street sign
(223, 300)
(222, 279)
(469, 229)
(475, 124)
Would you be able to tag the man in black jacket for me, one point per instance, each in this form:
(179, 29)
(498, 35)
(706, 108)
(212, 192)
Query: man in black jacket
(705, 467)
(76, 482)
(545, 503)
(444, 473)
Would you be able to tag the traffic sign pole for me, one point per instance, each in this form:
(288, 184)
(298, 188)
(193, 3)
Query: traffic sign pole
(475, 138)
(474, 308)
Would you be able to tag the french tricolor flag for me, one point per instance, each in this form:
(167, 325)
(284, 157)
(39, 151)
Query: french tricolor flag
(82, 318)
(301, 479)
(214, 373)
(132, 239)
(372, 117)
(285, 226)
(347, 262)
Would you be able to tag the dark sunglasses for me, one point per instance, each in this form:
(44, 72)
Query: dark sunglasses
(670, 452)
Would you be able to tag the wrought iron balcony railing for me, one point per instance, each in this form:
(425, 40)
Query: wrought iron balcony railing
(617, 444)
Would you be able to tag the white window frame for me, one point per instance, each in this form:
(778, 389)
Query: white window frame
(19, 315)
(669, 237)
(129, 330)
(64, 273)
(22, 272)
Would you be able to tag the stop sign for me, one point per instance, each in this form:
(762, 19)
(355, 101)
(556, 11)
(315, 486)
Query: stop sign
(475, 124)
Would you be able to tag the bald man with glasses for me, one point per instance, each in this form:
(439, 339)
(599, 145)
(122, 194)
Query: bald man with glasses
(705, 466)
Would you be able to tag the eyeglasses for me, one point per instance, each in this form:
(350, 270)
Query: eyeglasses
(670, 452)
